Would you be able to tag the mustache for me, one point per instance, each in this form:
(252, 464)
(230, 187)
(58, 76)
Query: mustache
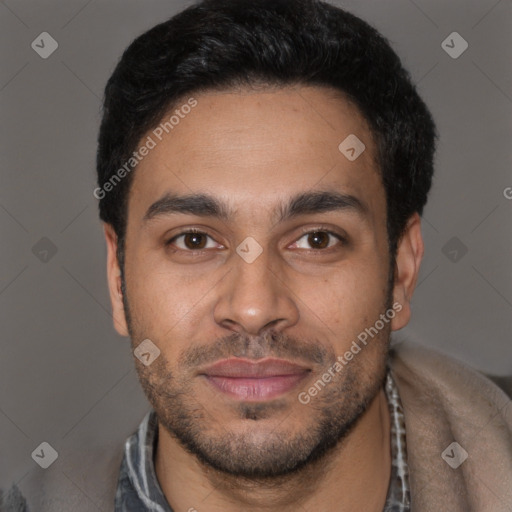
(270, 344)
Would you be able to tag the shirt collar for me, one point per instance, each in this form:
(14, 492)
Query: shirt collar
(398, 498)
(138, 487)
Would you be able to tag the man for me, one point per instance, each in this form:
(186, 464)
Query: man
(262, 169)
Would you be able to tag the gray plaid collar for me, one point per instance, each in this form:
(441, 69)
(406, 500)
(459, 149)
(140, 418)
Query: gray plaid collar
(398, 499)
(138, 487)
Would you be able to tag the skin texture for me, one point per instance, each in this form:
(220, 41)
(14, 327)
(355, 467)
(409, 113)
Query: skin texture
(304, 299)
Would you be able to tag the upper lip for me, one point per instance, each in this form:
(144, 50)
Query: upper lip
(244, 368)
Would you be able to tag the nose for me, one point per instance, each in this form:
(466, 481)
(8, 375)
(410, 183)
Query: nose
(254, 297)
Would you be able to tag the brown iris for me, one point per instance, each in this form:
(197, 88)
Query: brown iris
(194, 241)
(318, 239)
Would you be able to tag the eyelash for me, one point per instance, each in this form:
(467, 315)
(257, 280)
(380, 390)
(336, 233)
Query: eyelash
(305, 231)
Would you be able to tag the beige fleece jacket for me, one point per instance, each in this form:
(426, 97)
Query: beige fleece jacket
(444, 402)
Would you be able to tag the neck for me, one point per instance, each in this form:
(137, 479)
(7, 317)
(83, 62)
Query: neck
(353, 476)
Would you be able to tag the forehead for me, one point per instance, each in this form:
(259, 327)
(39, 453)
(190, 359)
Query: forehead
(255, 148)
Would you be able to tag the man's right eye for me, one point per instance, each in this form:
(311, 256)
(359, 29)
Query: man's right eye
(192, 240)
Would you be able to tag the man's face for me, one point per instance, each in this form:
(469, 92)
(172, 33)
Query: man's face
(256, 310)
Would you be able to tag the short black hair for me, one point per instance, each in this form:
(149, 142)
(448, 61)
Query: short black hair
(221, 44)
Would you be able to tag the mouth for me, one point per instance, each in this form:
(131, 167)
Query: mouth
(254, 381)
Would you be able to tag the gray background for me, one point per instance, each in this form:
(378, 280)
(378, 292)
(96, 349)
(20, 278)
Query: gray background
(65, 375)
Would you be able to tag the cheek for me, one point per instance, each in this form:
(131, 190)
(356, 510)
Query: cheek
(167, 303)
(346, 301)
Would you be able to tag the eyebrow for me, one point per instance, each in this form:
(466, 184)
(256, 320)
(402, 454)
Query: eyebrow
(305, 203)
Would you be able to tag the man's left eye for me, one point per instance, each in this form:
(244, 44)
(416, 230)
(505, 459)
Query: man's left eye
(318, 240)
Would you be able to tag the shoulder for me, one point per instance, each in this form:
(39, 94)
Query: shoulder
(84, 477)
(453, 411)
(12, 500)
(73, 485)
(504, 382)
(414, 363)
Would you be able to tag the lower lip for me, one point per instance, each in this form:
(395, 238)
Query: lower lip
(256, 389)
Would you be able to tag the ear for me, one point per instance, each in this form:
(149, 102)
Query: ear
(407, 266)
(114, 281)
